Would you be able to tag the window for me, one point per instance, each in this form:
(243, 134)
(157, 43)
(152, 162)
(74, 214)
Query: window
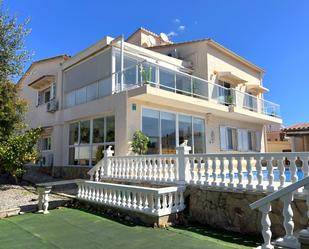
(44, 96)
(252, 141)
(98, 130)
(92, 91)
(185, 129)
(46, 143)
(168, 133)
(88, 139)
(199, 135)
(239, 139)
(150, 126)
(161, 128)
(81, 95)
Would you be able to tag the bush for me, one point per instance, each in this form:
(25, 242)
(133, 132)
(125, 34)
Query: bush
(17, 150)
(140, 143)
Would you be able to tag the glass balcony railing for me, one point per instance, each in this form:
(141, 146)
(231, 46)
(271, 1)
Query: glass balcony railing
(185, 84)
(173, 81)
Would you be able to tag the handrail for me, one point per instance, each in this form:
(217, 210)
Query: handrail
(282, 192)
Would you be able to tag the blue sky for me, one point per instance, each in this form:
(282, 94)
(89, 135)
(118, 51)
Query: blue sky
(274, 34)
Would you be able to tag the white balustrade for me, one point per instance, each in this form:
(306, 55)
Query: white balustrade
(153, 201)
(285, 195)
(238, 171)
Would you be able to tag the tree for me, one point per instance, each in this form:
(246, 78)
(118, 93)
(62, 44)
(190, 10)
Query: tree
(17, 145)
(140, 143)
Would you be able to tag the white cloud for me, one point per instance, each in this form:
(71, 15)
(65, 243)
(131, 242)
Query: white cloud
(176, 20)
(172, 33)
(181, 28)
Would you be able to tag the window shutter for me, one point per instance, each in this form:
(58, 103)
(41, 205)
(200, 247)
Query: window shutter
(239, 140)
(245, 140)
(53, 91)
(223, 140)
(37, 99)
(258, 141)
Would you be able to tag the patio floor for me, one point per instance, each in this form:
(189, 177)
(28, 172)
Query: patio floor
(71, 228)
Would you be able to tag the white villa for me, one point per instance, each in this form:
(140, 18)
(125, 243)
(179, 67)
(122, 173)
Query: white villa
(197, 90)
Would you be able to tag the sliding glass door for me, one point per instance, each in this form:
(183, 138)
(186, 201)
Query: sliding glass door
(166, 130)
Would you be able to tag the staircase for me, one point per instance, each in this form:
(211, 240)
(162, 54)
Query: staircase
(286, 195)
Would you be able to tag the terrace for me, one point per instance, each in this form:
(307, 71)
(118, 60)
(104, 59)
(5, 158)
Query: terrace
(165, 80)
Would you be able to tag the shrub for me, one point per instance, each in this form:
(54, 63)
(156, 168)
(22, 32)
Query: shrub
(140, 143)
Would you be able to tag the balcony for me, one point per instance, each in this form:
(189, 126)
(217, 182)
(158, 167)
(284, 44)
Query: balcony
(146, 73)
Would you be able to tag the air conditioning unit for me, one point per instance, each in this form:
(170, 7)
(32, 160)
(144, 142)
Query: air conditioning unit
(52, 105)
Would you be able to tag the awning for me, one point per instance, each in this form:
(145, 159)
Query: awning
(256, 88)
(230, 77)
(42, 82)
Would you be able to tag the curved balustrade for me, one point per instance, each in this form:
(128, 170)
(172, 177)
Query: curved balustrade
(286, 196)
(153, 201)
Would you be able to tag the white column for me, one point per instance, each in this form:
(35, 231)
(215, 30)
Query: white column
(266, 223)
(183, 161)
(289, 240)
(107, 162)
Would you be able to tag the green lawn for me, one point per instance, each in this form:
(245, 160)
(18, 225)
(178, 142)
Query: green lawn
(75, 229)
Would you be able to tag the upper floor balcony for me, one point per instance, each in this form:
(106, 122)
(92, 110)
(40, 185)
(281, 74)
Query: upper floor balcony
(163, 78)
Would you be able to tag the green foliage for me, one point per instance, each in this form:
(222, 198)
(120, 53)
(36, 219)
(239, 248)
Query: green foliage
(12, 110)
(229, 99)
(17, 146)
(18, 149)
(140, 143)
(99, 153)
(13, 54)
(146, 74)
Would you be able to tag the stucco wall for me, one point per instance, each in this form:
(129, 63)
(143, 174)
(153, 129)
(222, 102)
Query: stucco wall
(212, 123)
(37, 116)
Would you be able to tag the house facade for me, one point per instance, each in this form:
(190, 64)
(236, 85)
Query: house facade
(197, 91)
(298, 135)
(277, 141)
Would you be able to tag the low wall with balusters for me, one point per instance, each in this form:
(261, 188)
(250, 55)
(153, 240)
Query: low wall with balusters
(259, 172)
(155, 202)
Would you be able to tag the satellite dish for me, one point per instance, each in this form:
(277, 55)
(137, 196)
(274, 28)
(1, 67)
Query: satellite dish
(164, 37)
(151, 40)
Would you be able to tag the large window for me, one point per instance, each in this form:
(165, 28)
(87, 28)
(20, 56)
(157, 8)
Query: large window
(88, 139)
(164, 136)
(168, 132)
(151, 126)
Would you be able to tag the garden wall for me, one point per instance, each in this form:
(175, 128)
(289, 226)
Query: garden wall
(231, 211)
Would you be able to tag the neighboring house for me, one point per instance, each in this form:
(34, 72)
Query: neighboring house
(299, 136)
(197, 91)
(276, 139)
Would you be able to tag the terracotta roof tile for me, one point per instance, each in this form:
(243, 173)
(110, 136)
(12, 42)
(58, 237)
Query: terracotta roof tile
(297, 127)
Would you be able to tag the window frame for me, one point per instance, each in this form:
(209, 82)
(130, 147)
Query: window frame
(177, 126)
(91, 144)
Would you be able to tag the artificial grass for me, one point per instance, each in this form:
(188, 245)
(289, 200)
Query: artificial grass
(76, 229)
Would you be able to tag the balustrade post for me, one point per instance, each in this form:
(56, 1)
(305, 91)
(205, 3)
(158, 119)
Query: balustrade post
(266, 223)
(270, 175)
(289, 240)
(304, 234)
(107, 162)
(183, 161)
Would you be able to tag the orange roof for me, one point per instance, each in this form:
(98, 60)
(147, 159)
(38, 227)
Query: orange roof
(297, 127)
